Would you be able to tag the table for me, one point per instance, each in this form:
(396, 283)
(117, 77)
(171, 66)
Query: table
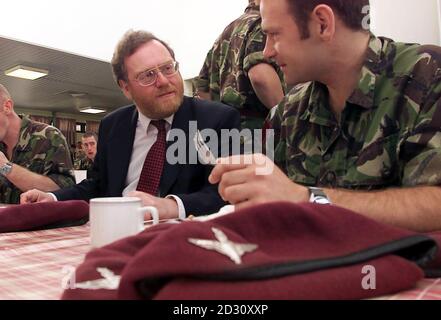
(35, 265)
(38, 265)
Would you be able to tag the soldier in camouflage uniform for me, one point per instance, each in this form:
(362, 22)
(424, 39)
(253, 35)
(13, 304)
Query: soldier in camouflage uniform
(83, 164)
(366, 130)
(89, 142)
(32, 154)
(79, 154)
(236, 73)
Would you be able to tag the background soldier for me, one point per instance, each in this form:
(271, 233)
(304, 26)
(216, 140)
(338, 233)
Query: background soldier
(89, 142)
(32, 154)
(236, 73)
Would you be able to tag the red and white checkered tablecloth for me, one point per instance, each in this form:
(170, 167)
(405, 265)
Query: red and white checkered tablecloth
(37, 265)
(426, 289)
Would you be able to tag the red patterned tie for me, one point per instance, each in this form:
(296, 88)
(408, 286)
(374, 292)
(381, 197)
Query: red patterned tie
(154, 162)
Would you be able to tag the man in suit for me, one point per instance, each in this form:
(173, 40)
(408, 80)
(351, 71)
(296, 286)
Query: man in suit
(132, 140)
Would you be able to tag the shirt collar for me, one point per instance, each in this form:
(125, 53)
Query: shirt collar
(145, 121)
(363, 95)
(318, 110)
(252, 7)
(22, 144)
(23, 139)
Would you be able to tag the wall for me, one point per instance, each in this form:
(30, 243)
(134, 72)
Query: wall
(407, 20)
(78, 117)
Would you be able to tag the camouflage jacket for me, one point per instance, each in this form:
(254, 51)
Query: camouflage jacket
(389, 133)
(83, 164)
(41, 149)
(225, 71)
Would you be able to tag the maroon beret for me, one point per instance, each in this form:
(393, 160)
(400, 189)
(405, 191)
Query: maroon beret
(43, 215)
(272, 251)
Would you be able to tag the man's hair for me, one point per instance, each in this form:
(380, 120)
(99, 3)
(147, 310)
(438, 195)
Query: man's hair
(4, 93)
(127, 46)
(349, 11)
(90, 135)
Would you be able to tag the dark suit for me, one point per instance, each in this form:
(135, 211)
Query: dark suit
(187, 181)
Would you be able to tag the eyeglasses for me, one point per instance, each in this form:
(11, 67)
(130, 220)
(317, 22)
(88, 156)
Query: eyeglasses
(149, 77)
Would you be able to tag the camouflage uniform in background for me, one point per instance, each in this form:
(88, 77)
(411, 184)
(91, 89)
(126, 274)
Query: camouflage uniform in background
(78, 156)
(388, 135)
(83, 164)
(41, 149)
(225, 71)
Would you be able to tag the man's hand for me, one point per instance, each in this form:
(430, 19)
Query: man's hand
(35, 196)
(248, 180)
(167, 208)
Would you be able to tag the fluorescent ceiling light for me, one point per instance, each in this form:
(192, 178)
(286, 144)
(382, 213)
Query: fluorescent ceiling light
(77, 94)
(92, 110)
(24, 72)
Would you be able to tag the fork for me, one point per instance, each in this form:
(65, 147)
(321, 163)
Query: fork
(204, 153)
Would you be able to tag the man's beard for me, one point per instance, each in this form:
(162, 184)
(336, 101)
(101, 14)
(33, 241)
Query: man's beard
(157, 109)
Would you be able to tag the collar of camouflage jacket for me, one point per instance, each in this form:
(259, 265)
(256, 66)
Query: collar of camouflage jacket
(252, 7)
(22, 143)
(363, 95)
(24, 124)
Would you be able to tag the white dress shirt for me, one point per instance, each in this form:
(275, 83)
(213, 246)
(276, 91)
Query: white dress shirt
(145, 137)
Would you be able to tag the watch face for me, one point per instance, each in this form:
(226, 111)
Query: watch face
(5, 169)
(321, 200)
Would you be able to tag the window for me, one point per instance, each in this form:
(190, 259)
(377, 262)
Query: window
(80, 127)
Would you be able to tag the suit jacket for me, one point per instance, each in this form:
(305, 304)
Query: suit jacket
(187, 181)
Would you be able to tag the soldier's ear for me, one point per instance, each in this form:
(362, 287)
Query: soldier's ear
(323, 22)
(8, 106)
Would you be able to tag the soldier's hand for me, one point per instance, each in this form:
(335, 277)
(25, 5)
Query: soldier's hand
(35, 195)
(248, 180)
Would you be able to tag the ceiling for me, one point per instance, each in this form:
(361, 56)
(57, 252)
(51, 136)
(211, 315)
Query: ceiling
(68, 74)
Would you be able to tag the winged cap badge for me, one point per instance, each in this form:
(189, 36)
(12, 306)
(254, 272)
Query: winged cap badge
(224, 246)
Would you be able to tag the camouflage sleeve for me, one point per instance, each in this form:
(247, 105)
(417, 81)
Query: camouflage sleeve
(421, 149)
(58, 163)
(275, 120)
(254, 50)
(203, 80)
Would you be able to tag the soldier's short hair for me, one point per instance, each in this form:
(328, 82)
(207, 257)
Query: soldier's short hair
(4, 93)
(351, 12)
(127, 46)
(90, 134)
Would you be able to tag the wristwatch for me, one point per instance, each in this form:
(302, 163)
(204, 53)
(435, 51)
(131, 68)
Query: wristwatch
(317, 195)
(6, 169)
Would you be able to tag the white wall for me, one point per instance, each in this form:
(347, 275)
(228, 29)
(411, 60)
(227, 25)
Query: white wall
(92, 27)
(407, 20)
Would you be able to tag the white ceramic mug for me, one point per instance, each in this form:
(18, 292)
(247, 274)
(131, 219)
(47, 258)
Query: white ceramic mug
(114, 218)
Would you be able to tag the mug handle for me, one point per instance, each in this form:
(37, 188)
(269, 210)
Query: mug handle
(153, 211)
